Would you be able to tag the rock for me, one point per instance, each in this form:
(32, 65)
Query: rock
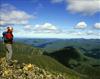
(24, 71)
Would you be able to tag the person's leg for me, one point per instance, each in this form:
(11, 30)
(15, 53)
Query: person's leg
(9, 51)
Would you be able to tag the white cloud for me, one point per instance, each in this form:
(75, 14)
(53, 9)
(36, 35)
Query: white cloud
(87, 34)
(56, 1)
(46, 27)
(2, 29)
(28, 27)
(79, 33)
(10, 15)
(31, 32)
(90, 32)
(81, 25)
(2, 22)
(87, 7)
(15, 17)
(84, 6)
(97, 25)
(42, 28)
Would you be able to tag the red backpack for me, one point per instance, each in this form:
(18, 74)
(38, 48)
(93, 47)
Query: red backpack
(7, 35)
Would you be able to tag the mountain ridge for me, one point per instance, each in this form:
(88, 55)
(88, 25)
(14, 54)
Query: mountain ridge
(23, 55)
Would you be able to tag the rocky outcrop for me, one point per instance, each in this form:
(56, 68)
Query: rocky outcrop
(14, 70)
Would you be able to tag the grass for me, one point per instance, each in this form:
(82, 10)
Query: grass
(28, 54)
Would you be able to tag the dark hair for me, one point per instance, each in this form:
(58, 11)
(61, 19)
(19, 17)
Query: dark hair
(9, 29)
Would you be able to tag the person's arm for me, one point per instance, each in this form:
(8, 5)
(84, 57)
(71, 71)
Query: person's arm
(3, 35)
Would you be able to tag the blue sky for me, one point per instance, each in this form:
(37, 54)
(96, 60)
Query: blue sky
(51, 18)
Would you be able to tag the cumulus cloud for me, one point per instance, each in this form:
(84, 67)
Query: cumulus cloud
(56, 1)
(41, 28)
(84, 6)
(81, 25)
(90, 32)
(28, 27)
(46, 27)
(87, 7)
(97, 25)
(84, 34)
(10, 15)
(2, 22)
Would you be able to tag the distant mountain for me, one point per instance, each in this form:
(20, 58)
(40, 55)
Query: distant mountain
(90, 47)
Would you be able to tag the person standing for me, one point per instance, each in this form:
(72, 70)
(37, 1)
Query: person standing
(8, 41)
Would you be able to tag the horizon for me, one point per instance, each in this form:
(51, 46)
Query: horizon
(54, 38)
(61, 19)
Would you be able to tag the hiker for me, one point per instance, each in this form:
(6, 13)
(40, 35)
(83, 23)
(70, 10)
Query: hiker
(8, 41)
